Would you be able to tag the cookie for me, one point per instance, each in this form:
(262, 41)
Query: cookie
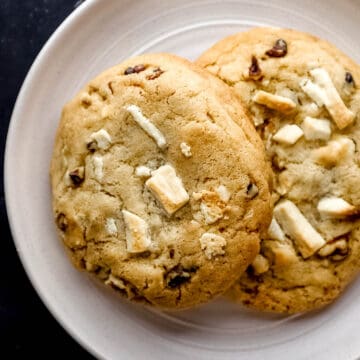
(160, 186)
(304, 97)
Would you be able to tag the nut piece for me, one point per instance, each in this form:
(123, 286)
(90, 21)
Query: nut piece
(212, 244)
(275, 232)
(185, 149)
(340, 246)
(260, 264)
(99, 140)
(212, 205)
(111, 227)
(334, 152)
(147, 126)
(279, 49)
(275, 102)
(316, 129)
(211, 212)
(137, 233)
(168, 189)
(288, 134)
(77, 175)
(155, 74)
(254, 69)
(335, 207)
(296, 226)
(223, 193)
(323, 92)
(98, 163)
(143, 171)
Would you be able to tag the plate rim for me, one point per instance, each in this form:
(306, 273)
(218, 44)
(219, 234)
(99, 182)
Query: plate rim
(80, 11)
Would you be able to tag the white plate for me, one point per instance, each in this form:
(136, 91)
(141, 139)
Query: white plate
(100, 34)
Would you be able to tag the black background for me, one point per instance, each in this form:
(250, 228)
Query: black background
(26, 326)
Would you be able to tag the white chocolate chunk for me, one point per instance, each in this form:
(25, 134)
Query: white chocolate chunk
(113, 280)
(223, 193)
(334, 152)
(275, 232)
(98, 167)
(260, 264)
(335, 207)
(147, 126)
(330, 248)
(311, 109)
(102, 138)
(211, 213)
(316, 129)
(288, 134)
(111, 227)
(297, 227)
(185, 149)
(137, 233)
(275, 102)
(105, 112)
(284, 254)
(313, 91)
(212, 244)
(143, 171)
(168, 189)
(341, 115)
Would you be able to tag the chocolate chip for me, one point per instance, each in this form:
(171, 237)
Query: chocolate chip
(171, 253)
(139, 68)
(92, 146)
(178, 275)
(155, 74)
(135, 70)
(254, 69)
(178, 280)
(61, 222)
(279, 49)
(129, 70)
(77, 175)
(349, 78)
(252, 190)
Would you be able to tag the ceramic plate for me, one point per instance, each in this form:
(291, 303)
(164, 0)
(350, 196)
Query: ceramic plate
(100, 34)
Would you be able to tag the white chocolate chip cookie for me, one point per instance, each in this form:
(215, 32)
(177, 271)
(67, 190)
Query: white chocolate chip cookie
(131, 150)
(304, 97)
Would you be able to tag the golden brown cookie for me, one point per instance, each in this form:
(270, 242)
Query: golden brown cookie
(160, 184)
(304, 97)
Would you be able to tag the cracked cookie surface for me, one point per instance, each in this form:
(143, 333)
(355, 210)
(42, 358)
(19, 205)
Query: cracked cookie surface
(151, 171)
(304, 97)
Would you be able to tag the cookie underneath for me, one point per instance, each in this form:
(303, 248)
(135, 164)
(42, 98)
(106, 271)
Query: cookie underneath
(303, 95)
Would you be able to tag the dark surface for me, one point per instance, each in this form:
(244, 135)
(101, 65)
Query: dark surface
(25, 324)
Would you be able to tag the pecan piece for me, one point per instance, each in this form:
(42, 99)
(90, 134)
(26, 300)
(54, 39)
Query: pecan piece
(155, 74)
(278, 50)
(254, 69)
